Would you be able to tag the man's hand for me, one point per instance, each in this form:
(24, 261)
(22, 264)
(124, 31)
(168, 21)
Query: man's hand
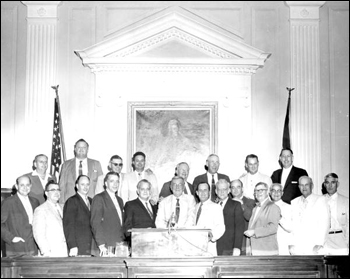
(103, 250)
(317, 249)
(17, 239)
(210, 236)
(149, 171)
(236, 252)
(249, 233)
(73, 252)
(291, 249)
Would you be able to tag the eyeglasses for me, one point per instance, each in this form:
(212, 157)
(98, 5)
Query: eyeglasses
(54, 190)
(259, 190)
(276, 191)
(117, 165)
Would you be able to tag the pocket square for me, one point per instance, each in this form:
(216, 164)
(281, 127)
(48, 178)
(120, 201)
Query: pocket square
(294, 181)
(95, 170)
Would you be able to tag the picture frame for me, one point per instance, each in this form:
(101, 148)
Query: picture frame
(172, 132)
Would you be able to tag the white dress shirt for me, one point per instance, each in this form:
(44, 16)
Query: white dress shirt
(27, 206)
(250, 180)
(285, 174)
(284, 236)
(116, 204)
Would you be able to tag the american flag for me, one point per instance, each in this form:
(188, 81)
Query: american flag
(56, 153)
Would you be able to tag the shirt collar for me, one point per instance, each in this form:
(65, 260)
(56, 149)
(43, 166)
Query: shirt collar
(333, 197)
(262, 203)
(112, 195)
(35, 173)
(83, 197)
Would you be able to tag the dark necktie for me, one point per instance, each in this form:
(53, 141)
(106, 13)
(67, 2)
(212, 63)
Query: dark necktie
(87, 202)
(199, 212)
(213, 195)
(221, 203)
(149, 211)
(80, 168)
(177, 211)
(139, 177)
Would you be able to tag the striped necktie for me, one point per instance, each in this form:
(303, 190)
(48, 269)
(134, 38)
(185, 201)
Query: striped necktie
(199, 212)
(80, 168)
(149, 211)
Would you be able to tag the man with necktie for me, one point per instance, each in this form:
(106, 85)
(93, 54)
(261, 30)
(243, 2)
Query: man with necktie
(209, 215)
(212, 176)
(140, 213)
(107, 216)
(263, 225)
(76, 219)
(310, 221)
(79, 165)
(231, 241)
(48, 226)
(178, 204)
(17, 218)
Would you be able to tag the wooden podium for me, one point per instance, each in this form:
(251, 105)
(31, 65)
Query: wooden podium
(165, 243)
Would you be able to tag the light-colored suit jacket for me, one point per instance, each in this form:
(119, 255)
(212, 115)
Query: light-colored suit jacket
(265, 225)
(128, 188)
(343, 216)
(48, 230)
(68, 178)
(310, 225)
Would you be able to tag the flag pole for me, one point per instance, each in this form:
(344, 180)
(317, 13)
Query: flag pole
(286, 134)
(60, 123)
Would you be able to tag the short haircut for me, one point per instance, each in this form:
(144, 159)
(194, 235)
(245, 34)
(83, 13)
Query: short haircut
(182, 163)
(288, 149)
(110, 174)
(18, 178)
(240, 182)
(305, 176)
(50, 182)
(81, 140)
(138, 153)
(262, 183)
(143, 181)
(115, 157)
(80, 176)
(36, 158)
(223, 181)
(211, 155)
(332, 174)
(276, 184)
(177, 177)
(251, 156)
(206, 183)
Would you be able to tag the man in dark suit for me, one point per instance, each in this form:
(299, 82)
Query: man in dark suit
(182, 169)
(76, 219)
(211, 177)
(107, 216)
(16, 220)
(140, 213)
(72, 168)
(231, 241)
(247, 205)
(288, 176)
(39, 177)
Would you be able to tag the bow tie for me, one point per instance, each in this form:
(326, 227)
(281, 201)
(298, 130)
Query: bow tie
(258, 204)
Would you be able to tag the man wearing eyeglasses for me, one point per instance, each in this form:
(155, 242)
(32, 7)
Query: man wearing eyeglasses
(285, 224)
(263, 225)
(337, 242)
(48, 226)
(115, 165)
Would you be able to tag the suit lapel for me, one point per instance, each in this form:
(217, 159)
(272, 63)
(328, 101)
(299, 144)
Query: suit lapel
(110, 204)
(20, 206)
(289, 178)
(140, 204)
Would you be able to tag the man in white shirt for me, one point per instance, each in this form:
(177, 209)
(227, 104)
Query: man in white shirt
(209, 215)
(253, 176)
(337, 242)
(178, 206)
(310, 221)
(128, 189)
(285, 224)
(17, 218)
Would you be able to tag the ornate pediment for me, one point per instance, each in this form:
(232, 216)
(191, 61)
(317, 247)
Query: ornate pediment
(173, 39)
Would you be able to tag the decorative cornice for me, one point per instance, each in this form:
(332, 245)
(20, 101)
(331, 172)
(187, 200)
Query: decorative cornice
(304, 10)
(170, 34)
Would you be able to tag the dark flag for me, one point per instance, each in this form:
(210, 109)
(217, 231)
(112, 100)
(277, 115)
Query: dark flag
(286, 132)
(56, 158)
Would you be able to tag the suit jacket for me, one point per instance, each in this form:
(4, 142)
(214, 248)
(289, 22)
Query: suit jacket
(234, 224)
(37, 190)
(265, 225)
(128, 188)
(311, 224)
(105, 222)
(48, 230)
(15, 222)
(290, 189)
(76, 224)
(247, 207)
(166, 191)
(204, 178)
(68, 178)
(343, 216)
(137, 216)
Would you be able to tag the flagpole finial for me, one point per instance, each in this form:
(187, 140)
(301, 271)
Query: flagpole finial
(290, 90)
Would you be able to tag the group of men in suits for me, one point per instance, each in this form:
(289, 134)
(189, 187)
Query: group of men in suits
(94, 216)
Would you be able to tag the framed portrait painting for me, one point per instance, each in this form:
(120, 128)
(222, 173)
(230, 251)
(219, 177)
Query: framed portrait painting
(172, 132)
